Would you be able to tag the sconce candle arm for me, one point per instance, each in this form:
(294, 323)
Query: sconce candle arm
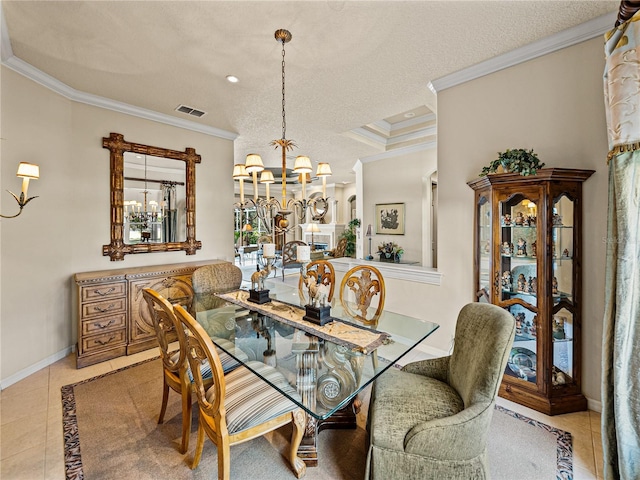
(21, 203)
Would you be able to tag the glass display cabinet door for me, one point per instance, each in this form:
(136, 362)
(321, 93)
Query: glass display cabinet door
(562, 290)
(517, 255)
(483, 281)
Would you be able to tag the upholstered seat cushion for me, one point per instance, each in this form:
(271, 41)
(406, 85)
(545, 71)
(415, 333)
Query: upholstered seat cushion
(250, 401)
(404, 400)
(228, 362)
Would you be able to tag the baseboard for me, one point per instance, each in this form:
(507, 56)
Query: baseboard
(22, 374)
(594, 405)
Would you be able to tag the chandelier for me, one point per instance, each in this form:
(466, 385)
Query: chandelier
(272, 212)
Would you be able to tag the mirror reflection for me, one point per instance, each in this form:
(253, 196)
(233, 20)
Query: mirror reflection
(154, 199)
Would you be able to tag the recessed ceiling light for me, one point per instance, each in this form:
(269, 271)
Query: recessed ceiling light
(233, 79)
(409, 115)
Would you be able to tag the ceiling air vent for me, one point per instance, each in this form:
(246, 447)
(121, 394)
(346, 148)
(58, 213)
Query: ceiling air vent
(190, 111)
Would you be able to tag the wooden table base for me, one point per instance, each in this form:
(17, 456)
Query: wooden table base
(345, 418)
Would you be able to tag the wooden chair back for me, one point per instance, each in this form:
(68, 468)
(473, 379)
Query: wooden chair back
(318, 269)
(362, 293)
(290, 255)
(199, 349)
(164, 323)
(340, 249)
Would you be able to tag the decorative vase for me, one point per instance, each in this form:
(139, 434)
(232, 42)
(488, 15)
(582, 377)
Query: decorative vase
(389, 257)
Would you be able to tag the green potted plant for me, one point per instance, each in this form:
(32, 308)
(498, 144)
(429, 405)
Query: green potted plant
(350, 236)
(518, 160)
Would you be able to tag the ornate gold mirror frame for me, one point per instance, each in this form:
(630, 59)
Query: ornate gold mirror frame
(117, 249)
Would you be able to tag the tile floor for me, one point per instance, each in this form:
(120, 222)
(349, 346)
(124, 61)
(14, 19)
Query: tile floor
(31, 423)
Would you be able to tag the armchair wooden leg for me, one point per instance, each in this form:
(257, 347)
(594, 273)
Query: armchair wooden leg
(165, 399)
(299, 422)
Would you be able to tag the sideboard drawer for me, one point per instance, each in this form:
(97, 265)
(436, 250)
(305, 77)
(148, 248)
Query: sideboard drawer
(103, 341)
(106, 290)
(108, 307)
(104, 324)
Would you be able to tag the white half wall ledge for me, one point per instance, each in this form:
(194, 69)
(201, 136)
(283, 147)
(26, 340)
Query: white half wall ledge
(24, 373)
(566, 38)
(411, 273)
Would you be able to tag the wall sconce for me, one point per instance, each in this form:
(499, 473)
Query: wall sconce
(26, 171)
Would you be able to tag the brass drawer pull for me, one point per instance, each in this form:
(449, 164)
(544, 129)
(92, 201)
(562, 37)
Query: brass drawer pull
(112, 289)
(100, 325)
(100, 342)
(102, 310)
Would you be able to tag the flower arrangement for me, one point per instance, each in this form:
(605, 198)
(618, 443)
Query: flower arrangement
(390, 252)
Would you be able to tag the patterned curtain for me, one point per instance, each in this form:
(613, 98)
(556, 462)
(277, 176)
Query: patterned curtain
(621, 336)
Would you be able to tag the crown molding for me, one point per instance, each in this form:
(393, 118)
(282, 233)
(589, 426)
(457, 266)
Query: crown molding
(47, 81)
(418, 147)
(5, 41)
(416, 135)
(566, 38)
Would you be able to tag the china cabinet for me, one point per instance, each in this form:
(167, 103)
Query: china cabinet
(527, 259)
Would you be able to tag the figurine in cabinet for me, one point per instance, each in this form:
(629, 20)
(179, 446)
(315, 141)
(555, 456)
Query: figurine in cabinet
(522, 283)
(519, 218)
(506, 281)
(557, 220)
(565, 253)
(531, 285)
(554, 286)
(532, 220)
(520, 319)
(507, 249)
(522, 248)
(506, 219)
(558, 327)
(534, 247)
(534, 327)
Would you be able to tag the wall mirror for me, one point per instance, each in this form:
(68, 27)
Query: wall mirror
(153, 200)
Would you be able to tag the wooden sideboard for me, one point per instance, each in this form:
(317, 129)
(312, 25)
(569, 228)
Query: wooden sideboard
(113, 319)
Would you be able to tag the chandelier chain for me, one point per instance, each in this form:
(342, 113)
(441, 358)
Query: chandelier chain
(284, 115)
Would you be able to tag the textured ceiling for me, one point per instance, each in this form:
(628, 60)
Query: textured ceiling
(349, 64)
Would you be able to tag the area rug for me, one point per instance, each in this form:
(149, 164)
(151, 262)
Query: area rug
(111, 431)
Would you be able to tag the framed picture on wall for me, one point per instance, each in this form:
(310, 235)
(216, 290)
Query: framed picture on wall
(390, 219)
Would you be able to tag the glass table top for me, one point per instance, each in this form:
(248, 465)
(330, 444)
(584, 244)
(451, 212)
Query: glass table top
(326, 375)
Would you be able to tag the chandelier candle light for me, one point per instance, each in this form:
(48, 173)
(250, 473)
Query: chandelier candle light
(269, 208)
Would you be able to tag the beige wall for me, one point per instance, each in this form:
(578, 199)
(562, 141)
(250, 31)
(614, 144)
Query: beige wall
(400, 179)
(63, 231)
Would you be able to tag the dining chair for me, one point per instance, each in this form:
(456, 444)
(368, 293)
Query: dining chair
(363, 287)
(208, 280)
(290, 255)
(239, 406)
(318, 269)
(431, 419)
(177, 375)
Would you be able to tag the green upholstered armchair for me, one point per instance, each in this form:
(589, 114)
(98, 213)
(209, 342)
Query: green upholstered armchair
(430, 420)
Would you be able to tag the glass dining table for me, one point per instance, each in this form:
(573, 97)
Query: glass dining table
(327, 373)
